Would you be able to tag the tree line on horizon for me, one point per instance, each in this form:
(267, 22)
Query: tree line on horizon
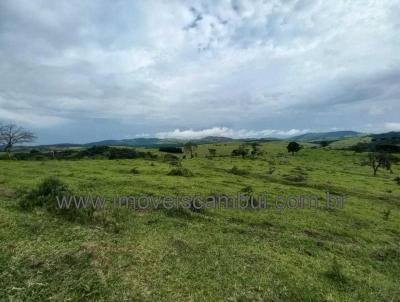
(12, 134)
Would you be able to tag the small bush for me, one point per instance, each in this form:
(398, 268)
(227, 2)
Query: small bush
(110, 220)
(240, 152)
(197, 207)
(45, 195)
(387, 254)
(237, 171)
(170, 149)
(180, 171)
(397, 180)
(150, 156)
(336, 274)
(386, 214)
(176, 163)
(295, 178)
(271, 170)
(178, 212)
(94, 152)
(134, 170)
(248, 190)
(252, 201)
(170, 158)
(125, 153)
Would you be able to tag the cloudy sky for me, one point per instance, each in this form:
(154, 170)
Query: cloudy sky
(82, 70)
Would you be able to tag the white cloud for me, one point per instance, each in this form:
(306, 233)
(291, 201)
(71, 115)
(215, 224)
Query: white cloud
(228, 132)
(33, 120)
(180, 64)
(392, 126)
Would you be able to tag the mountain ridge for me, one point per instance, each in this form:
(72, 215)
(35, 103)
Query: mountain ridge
(157, 142)
(332, 135)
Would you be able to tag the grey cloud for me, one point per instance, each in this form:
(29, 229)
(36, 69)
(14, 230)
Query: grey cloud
(156, 66)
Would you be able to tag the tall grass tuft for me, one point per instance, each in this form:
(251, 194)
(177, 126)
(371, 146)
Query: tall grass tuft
(45, 194)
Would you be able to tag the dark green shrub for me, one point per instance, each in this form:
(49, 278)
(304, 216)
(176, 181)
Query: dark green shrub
(22, 156)
(44, 195)
(178, 212)
(170, 157)
(271, 170)
(248, 190)
(295, 178)
(386, 214)
(336, 273)
(237, 171)
(149, 155)
(252, 201)
(125, 153)
(134, 170)
(180, 171)
(196, 207)
(47, 194)
(95, 152)
(171, 149)
(66, 154)
(241, 151)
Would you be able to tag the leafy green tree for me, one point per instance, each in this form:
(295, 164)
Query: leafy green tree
(213, 152)
(254, 149)
(241, 151)
(293, 147)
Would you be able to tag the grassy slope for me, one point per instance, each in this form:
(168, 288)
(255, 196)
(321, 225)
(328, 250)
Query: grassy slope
(234, 255)
(348, 142)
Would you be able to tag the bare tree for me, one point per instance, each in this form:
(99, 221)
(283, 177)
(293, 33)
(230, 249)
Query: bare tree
(11, 134)
(380, 160)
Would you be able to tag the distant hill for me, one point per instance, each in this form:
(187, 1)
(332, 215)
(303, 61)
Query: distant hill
(337, 138)
(214, 139)
(52, 146)
(335, 135)
(388, 137)
(138, 142)
(156, 142)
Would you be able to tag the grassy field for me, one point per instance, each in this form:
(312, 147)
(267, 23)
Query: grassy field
(347, 254)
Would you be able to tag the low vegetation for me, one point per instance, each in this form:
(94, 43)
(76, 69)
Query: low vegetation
(170, 149)
(183, 254)
(180, 171)
(47, 195)
(238, 171)
(95, 152)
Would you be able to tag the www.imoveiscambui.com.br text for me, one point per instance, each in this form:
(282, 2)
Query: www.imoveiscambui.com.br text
(197, 201)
